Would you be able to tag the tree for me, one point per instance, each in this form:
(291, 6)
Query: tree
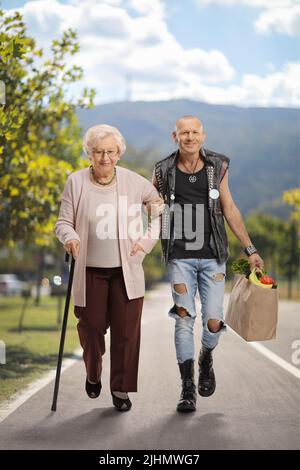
(269, 237)
(292, 197)
(291, 266)
(277, 242)
(40, 140)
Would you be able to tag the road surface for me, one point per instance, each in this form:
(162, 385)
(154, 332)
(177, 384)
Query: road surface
(256, 404)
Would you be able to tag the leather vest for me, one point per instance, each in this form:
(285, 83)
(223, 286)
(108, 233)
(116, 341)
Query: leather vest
(215, 166)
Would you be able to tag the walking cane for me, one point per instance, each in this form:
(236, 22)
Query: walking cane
(63, 332)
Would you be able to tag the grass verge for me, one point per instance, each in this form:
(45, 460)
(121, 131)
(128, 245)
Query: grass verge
(34, 350)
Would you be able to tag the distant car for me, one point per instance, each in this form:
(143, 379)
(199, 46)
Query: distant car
(10, 284)
(58, 286)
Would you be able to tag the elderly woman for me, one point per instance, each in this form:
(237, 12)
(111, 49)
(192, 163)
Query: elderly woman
(100, 224)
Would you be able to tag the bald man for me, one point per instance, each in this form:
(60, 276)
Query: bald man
(194, 184)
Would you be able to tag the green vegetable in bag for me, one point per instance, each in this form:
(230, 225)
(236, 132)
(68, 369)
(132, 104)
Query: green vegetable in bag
(241, 266)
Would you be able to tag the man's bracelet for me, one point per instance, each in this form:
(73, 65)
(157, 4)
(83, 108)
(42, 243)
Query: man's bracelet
(249, 250)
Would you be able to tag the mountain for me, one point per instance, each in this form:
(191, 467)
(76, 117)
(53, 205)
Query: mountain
(262, 143)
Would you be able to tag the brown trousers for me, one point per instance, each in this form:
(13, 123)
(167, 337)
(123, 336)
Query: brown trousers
(107, 306)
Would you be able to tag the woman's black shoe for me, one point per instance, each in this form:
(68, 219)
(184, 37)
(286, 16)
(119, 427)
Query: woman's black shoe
(122, 404)
(93, 390)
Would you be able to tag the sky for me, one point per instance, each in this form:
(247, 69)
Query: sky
(240, 52)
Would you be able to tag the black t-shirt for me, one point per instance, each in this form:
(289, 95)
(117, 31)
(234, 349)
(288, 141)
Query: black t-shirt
(192, 228)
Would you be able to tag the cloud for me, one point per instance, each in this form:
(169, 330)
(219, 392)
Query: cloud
(119, 44)
(281, 16)
(255, 3)
(128, 52)
(148, 7)
(274, 89)
(281, 20)
(277, 88)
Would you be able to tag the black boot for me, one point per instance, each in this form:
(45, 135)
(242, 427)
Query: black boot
(188, 397)
(207, 381)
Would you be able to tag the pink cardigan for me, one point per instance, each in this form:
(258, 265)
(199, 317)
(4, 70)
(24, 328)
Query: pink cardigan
(72, 224)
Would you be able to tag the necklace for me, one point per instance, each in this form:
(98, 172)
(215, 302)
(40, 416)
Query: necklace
(100, 182)
(192, 178)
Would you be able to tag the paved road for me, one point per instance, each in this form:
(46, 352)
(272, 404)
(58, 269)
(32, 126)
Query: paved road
(256, 404)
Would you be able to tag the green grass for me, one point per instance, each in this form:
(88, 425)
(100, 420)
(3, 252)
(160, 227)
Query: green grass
(34, 350)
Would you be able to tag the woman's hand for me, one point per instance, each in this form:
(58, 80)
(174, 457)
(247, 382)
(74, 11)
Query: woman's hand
(156, 207)
(136, 247)
(72, 247)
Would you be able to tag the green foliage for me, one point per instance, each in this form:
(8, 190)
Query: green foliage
(292, 197)
(241, 266)
(154, 266)
(272, 238)
(277, 242)
(40, 140)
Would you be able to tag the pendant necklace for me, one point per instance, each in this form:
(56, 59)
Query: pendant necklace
(192, 177)
(101, 182)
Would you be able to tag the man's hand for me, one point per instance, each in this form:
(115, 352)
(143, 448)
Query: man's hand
(136, 247)
(72, 247)
(256, 261)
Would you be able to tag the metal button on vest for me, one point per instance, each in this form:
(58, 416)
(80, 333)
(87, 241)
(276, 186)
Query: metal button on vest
(214, 193)
(172, 197)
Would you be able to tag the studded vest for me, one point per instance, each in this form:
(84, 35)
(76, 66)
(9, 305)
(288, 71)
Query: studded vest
(215, 166)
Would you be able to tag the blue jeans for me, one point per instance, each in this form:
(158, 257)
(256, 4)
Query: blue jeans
(209, 277)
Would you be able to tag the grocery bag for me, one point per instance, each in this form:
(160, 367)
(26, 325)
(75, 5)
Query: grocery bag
(252, 311)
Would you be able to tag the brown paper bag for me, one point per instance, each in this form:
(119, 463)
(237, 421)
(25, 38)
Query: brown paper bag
(252, 311)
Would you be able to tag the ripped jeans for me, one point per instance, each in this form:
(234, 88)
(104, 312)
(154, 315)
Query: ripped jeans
(209, 277)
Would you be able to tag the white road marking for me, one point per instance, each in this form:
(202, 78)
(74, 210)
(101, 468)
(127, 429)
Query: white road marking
(276, 359)
(271, 356)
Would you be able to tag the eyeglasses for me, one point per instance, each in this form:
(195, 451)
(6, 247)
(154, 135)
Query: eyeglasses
(109, 153)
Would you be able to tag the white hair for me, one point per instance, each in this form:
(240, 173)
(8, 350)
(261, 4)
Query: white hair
(100, 132)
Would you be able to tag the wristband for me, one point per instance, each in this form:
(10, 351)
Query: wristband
(249, 250)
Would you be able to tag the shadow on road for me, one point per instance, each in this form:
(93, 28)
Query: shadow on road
(108, 429)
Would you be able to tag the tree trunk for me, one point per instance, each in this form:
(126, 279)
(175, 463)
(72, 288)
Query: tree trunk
(22, 315)
(290, 284)
(59, 310)
(40, 273)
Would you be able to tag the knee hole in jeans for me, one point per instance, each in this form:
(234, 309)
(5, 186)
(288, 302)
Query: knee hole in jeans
(181, 311)
(181, 290)
(214, 325)
(219, 277)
